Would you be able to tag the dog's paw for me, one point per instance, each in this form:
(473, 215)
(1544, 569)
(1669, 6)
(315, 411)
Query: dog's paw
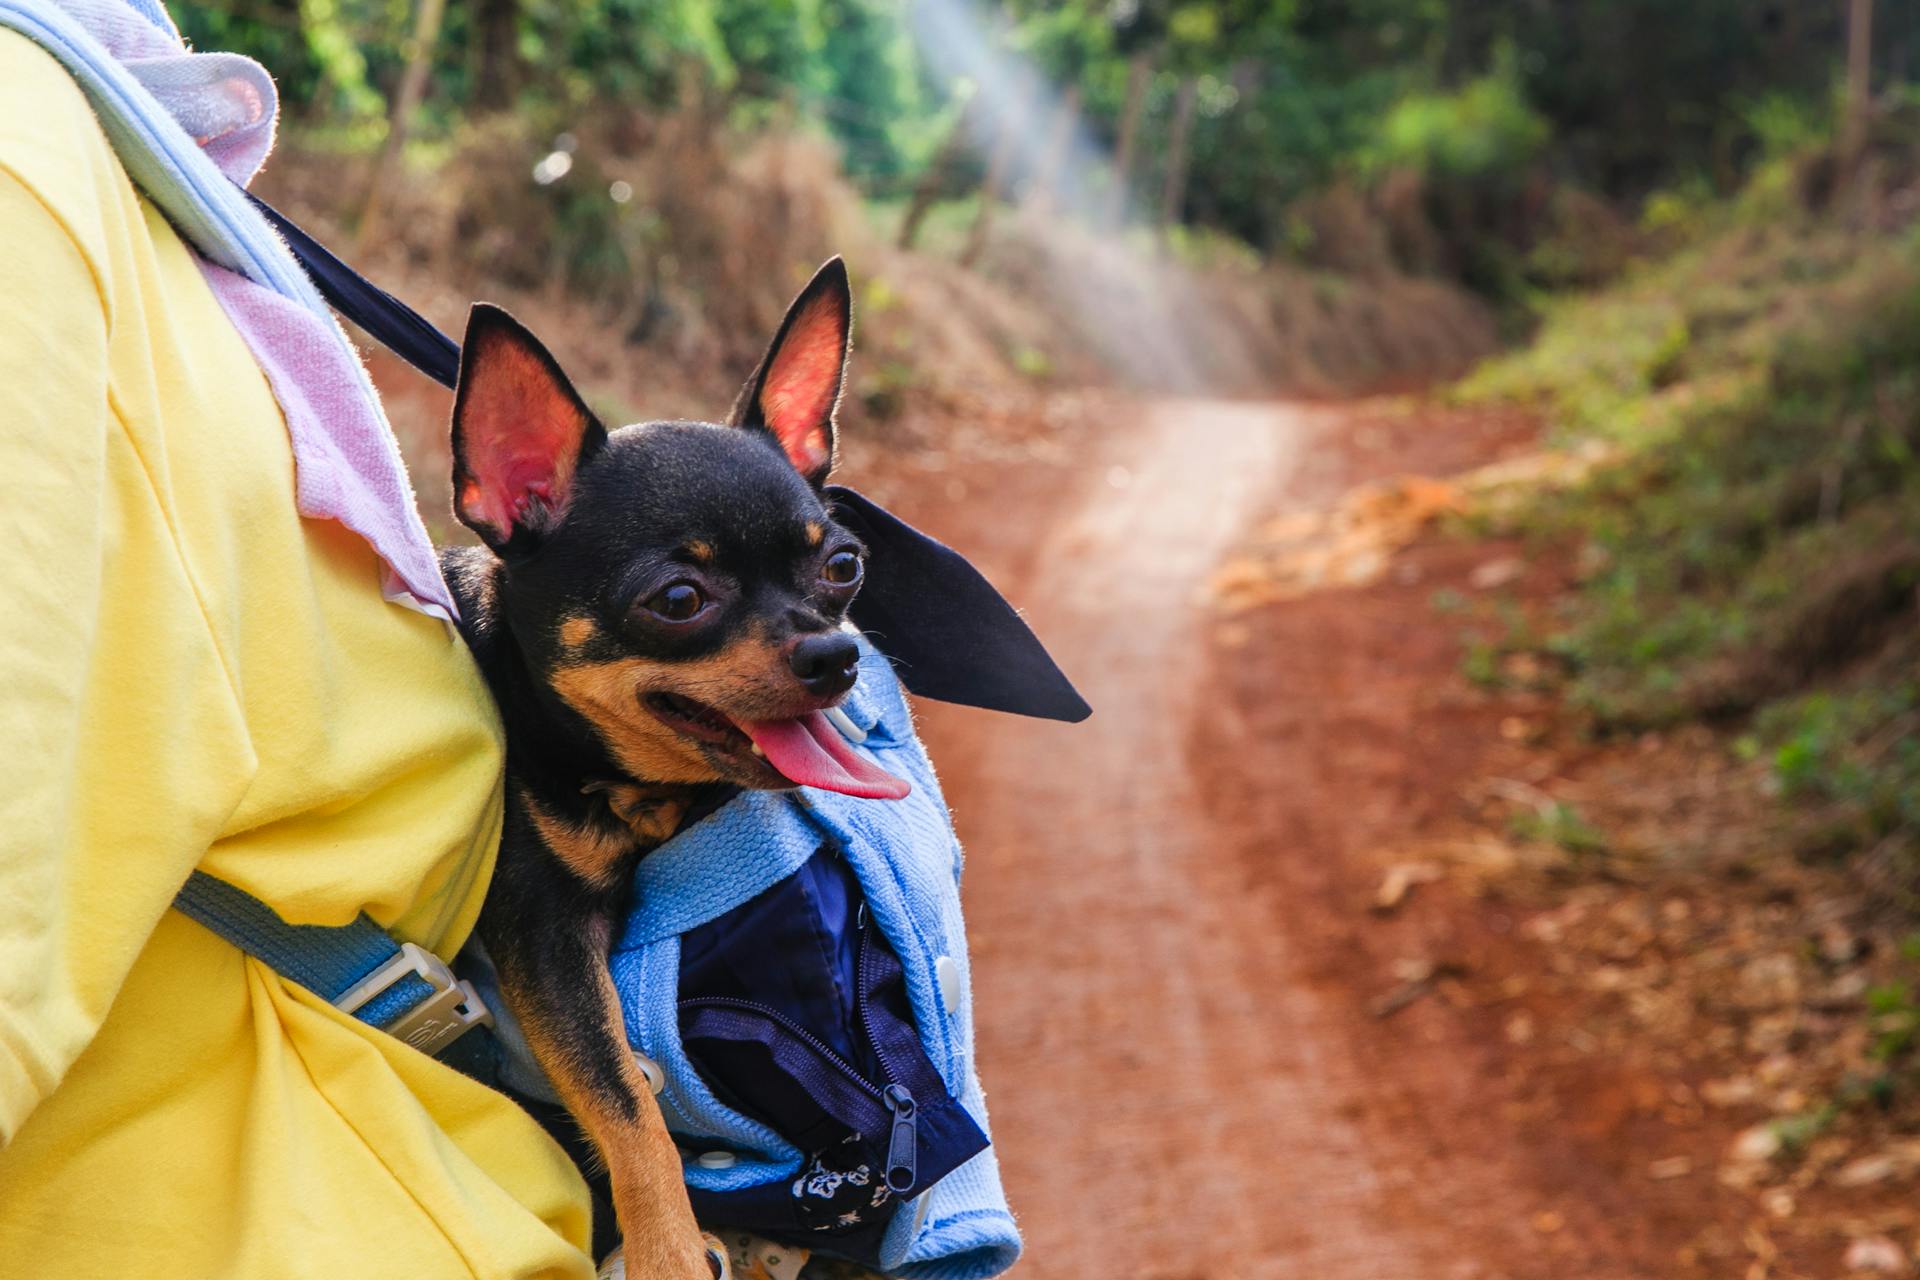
(614, 1265)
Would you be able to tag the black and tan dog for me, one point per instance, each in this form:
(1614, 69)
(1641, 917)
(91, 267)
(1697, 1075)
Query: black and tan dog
(659, 612)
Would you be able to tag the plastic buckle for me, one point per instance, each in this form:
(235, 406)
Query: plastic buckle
(453, 1009)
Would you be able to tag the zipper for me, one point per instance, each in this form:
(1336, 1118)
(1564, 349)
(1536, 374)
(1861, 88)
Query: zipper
(904, 1139)
(897, 1101)
(900, 1147)
(794, 1029)
(894, 1099)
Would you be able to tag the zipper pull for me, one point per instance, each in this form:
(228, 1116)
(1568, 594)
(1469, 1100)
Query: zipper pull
(900, 1147)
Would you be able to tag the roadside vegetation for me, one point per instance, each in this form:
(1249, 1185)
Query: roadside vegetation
(1752, 562)
(1706, 653)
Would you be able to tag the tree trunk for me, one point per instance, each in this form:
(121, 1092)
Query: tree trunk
(1139, 76)
(413, 86)
(1053, 161)
(999, 166)
(1173, 196)
(1859, 81)
(498, 29)
(934, 181)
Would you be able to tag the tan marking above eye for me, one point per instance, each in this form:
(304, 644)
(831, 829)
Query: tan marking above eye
(816, 533)
(576, 631)
(700, 552)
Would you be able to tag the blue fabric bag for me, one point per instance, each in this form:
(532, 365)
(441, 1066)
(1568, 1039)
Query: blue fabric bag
(796, 964)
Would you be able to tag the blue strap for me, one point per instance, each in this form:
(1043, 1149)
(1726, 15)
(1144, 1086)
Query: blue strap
(328, 960)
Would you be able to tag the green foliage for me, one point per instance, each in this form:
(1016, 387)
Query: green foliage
(1894, 1019)
(1293, 95)
(313, 47)
(1797, 1130)
(1855, 754)
(1032, 362)
(1785, 123)
(1480, 663)
(1560, 824)
(1484, 129)
(621, 49)
(871, 94)
(1759, 542)
(338, 60)
(1680, 209)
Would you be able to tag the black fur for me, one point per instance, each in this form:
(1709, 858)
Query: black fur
(646, 506)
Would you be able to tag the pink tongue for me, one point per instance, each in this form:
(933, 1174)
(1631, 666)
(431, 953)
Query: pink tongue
(811, 752)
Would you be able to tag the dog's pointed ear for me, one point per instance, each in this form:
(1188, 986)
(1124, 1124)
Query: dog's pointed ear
(793, 394)
(520, 433)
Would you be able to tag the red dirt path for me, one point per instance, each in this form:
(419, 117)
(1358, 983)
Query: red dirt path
(1172, 960)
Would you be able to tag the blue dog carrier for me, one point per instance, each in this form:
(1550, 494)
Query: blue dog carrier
(796, 964)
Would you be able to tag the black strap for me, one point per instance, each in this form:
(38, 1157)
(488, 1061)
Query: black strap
(385, 318)
(950, 634)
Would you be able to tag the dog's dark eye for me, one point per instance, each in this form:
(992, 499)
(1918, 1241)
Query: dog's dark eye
(842, 568)
(676, 602)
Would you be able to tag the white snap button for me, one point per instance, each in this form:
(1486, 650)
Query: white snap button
(716, 1160)
(656, 1078)
(946, 971)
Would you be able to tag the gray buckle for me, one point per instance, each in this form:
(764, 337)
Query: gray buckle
(450, 1012)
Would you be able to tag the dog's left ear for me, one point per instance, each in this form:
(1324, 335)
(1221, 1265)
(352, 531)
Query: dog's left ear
(793, 394)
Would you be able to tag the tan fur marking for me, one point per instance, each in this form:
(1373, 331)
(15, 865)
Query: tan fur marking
(700, 552)
(576, 631)
(649, 1196)
(816, 533)
(592, 854)
(651, 813)
(746, 680)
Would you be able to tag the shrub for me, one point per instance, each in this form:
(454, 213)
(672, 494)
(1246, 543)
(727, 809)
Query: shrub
(1484, 129)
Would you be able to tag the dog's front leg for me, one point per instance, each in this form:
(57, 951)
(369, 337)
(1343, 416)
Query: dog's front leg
(554, 977)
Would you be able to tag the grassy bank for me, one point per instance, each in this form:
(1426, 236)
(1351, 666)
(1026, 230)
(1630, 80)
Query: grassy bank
(1753, 561)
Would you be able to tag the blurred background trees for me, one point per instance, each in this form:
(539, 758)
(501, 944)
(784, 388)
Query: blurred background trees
(1227, 115)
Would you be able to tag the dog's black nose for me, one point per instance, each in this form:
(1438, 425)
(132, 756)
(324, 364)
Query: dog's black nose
(826, 664)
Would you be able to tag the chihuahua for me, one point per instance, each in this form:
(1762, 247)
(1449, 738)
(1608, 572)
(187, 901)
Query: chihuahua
(660, 612)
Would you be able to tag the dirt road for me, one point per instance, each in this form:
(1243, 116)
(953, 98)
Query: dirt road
(1172, 991)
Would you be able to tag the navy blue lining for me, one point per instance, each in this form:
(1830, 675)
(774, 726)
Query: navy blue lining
(794, 1010)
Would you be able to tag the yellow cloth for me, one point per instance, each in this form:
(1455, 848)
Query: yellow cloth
(192, 674)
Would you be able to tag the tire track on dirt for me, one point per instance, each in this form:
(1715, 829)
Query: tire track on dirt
(1170, 1097)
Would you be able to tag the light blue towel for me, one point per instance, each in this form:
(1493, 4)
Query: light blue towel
(907, 860)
